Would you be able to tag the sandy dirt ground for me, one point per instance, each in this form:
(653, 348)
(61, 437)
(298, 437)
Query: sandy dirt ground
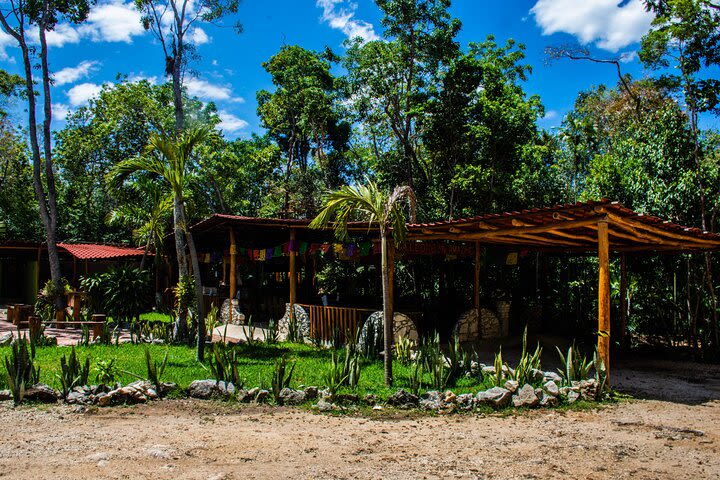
(640, 439)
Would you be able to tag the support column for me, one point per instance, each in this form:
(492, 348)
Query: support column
(233, 277)
(293, 270)
(477, 280)
(623, 303)
(604, 296)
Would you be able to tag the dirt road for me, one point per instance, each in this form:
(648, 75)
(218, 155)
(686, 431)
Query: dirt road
(205, 440)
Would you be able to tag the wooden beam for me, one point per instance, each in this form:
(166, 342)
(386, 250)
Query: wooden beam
(293, 270)
(476, 295)
(623, 302)
(233, 277)
(604, 296)
(662, 232)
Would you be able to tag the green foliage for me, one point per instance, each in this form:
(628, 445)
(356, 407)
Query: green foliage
(72, 372)
(575, 365)
(155, 371)
(281, 378)
(122, 292)
(272, 335)
(295, 334)
(223, 364)
(403, 350)
(335, 375)
(498, 379)
(21, 369)
(106, 372)
(601, 384)
(458, 360)
(45, 303)
(415, 376)
(523, 372)
(434, 362)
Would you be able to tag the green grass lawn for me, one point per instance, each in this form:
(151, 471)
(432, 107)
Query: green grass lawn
(256, 366)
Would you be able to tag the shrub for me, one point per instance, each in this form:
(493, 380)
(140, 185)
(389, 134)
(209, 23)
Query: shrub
(21, 369)
(72, 372)
(123, 292)
(106, 372)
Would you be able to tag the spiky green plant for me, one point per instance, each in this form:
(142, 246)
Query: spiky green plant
(435, 362)
(271, 333)
(281, 377)
(523, 373)
(497, 377)
(600, 375)
(155, 370)
(403, 350)
(575, 365)
(21, 369)
(335, 376)
(250, 333)
(415, 376)
(72, 372)
(458, 360)
(223, 364)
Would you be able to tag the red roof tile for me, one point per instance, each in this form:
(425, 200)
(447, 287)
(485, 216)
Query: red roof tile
(92, 251)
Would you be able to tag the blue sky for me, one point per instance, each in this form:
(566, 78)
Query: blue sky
(230, 71)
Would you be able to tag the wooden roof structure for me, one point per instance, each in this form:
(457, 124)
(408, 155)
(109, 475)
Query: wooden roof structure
(572, 228)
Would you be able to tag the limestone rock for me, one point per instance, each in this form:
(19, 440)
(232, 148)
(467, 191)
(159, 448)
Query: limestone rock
(403, 399)
(302, 319)
(512, 385)
(552, 376)
(311, 393)
(525, 397)
(372, 337)
(77, 398)
(431, 401)
(495, 397)
(5, 395)
(551, 388)
(573, 396)
(324, 406)
(262, 396)
(548, 400)
(371, 399)
(6, 339)
(41, 393)
(210, 388)
(237, 317)
(467, 328)
(465, 401)
(289, 396)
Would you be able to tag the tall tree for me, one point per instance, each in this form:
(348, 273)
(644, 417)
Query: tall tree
(170, 22)
(303, 115)
(368, 203)
(390, 82)
(17, 18)
(170, 158)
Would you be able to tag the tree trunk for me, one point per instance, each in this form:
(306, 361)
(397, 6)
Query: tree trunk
(387, 291)
(180, 249)
(200, 354)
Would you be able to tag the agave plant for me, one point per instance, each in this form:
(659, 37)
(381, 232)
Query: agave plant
(224, 364)
(280, 378)
(434, 362)
(72, 372)
(335, 376)
(575, 365)
(21, 369)
(155, 370)
(523, 373)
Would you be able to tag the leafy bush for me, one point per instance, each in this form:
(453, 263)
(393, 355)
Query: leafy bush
(72, 372)
(21, 369)
(45, 303)
(123, 292)
(106, 372)
(280, 379)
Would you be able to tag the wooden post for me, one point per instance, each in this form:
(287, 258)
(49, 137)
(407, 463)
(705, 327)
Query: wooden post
(604, 296)
(623, 303)
(233, 278)
(292, 270)
(477, 279)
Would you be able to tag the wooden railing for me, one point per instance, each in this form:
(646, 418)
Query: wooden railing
(325, 321)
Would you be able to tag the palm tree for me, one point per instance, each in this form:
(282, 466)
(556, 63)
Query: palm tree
(169, 158)
(375, 207)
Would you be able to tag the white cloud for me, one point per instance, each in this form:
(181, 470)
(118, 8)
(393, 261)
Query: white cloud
(81, 93)
(60, 35)
(208, 91)
(113, 21)
(550, 114)
(230, 123)
(609, 24)
(5, 42)
(341, 17)
(152, 80)
(60, 111)
(73, 74)
(627, 57)
(198, 36)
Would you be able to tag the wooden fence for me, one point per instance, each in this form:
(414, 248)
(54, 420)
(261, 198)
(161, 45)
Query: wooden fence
(325, 321)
